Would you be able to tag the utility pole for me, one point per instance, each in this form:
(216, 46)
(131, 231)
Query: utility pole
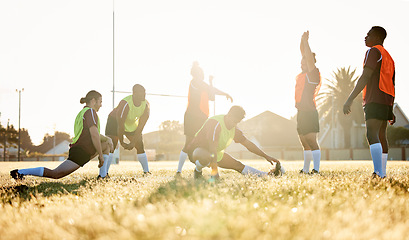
(19, 119)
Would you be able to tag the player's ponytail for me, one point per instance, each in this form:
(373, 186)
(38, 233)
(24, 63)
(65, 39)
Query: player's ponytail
(90, 95)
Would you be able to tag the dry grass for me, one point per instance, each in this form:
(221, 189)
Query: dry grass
(342, 203)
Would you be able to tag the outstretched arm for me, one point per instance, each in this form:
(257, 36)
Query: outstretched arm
(256, 150)
(306, 51)
(219, 92)
(360, 85)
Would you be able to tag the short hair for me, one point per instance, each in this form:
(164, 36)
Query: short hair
(379, 32)
(90, 95)
(138, 88)
(237, 112)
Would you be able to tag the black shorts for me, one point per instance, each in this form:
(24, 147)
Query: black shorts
(111, 128)
(194, 120)
(79, 156)
(307, 122)
(378, 111)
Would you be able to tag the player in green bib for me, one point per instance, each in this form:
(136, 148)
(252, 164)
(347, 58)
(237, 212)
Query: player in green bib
(128, 119)
(87, 143)
(217, 133)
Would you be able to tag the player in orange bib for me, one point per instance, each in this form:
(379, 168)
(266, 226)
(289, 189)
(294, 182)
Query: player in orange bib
(378, 85)
(308, 83)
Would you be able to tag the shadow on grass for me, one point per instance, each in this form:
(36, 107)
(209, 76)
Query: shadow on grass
(24, 192)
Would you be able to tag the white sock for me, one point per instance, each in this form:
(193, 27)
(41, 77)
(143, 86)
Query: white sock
(199, 166)
(250, 170)
(376, 154)
(307, 160)
(111, 156)
(182, 159)
(316, 155)
(384, 161)
(103, 170)
(143, 159)
(39, 171)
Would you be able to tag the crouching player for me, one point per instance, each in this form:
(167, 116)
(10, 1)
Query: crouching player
(217, 133)
(86, 144)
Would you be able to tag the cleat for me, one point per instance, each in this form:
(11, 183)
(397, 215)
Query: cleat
(197, 175)
(147, 173)
(16, 175)
(314, 172)
(178, 175)
(302, 172)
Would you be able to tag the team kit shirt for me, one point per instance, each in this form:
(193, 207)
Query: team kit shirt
(214, 130)
(198, 97)
(372, 92)
(134, 113)
(85, 119)
(306, 88)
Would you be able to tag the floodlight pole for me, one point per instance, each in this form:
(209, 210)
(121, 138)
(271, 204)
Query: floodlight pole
(19, 120)
(113, 54)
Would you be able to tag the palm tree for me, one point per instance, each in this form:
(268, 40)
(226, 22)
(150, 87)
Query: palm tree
(331, 101)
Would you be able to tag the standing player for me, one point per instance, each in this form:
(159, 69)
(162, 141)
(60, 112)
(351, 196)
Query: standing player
(128, 119)
(378, 84)
(306, 89)
(87, 143)
(210, 142)
(198, 107)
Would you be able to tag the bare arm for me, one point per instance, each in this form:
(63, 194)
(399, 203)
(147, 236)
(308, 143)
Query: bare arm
(97, 144)
(360, 85)
(256, 150)
(121, 115)
(141, 124)
(306, 51)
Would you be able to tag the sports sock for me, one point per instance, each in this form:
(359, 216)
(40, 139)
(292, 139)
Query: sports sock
(199, 166)
(182, 159)
(250, 170)
(143, 159)
(316, 155)
(376, 154)
(111, 156)
(39, 171)
(307, 160)
(103, 170)
(384, 161)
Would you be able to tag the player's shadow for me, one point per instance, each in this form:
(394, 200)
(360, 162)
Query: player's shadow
(45, 189)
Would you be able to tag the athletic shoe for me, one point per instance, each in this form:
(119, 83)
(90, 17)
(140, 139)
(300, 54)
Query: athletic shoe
(16, 175)
(374, 175)
(302, 172)
(178, 175)
(197, 174)
(147, 173)
(314, 172)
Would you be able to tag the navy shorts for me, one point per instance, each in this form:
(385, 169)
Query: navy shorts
(79, 156)
(378, 111)
(307, 122)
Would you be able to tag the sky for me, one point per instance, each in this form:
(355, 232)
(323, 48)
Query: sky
(59, 50)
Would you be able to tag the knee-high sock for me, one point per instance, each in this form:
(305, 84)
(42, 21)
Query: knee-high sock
(307, 160)
(143, 159)
(250, 170)
(316, 155)
(111, 156)
(39, 171)
(199, 166)
(384, 161)
(103, 170)
(376, 154)
(182, 159)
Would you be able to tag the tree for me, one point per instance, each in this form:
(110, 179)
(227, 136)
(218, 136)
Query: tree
(48, 141)
(332, 99)
(171, 136)
(396, 135)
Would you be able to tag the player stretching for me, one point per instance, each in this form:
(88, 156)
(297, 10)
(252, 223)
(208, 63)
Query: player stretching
(378, 84)
(129, 119)
(306, 89)
(87, 143)
(207, 147)
(198, 107)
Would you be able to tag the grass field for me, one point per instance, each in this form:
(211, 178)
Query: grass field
(342, 203)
